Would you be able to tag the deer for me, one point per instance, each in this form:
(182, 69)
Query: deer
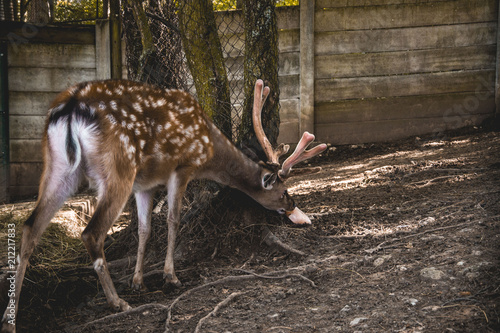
(129, 138)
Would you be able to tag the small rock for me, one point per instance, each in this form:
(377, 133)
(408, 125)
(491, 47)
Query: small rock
(427, 220)
(431, 308)
(412, 301)
(379, 261)
(346, 308)
(357, 321)
(432, 273)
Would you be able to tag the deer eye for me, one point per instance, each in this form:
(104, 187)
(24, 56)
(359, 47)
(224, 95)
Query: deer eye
(284, 194)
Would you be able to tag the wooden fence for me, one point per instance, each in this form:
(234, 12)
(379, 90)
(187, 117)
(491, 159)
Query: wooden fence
(351, 71)
(388, 69)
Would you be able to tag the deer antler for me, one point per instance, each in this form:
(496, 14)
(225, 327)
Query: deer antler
(300, 154)
(259, 98)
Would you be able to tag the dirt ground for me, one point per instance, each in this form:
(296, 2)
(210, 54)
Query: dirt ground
(405, 238)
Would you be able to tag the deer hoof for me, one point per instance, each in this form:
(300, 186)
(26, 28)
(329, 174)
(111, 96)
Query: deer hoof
(172, 279)
(138, 286)
(121, 306)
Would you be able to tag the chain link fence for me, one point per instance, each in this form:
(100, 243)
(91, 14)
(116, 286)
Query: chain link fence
(167, 66)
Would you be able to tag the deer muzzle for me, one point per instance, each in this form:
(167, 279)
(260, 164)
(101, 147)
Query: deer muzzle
(298, 217)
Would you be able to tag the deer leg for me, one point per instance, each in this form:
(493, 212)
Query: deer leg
(54, 190)
(144, 204)
(109, 207)
(176, 188)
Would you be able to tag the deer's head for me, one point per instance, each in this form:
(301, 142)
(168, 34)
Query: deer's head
(273, 174)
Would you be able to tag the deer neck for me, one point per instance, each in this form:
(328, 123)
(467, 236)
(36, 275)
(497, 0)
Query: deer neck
(229, 166)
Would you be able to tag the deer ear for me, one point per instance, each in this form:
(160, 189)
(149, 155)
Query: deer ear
(268, 180)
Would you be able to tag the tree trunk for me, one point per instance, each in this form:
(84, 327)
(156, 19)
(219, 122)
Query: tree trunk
(146, 59)
(261, 62)
(38, 12)
(205, 60)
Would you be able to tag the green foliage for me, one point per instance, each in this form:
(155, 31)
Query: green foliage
(77, 10)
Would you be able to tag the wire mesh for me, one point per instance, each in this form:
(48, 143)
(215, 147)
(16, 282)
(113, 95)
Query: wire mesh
(168, 67)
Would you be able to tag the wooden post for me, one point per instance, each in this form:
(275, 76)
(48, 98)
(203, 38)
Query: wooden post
(103, 49)
(306, 122)
(4, 125)
(497, 76)
(116, 45)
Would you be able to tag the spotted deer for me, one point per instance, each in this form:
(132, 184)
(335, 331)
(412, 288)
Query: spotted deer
(127, 137)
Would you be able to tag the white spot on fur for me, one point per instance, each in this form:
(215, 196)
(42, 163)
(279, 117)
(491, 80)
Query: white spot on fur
(113, 105)
(85, 91)
(137, 107)
(112, 119)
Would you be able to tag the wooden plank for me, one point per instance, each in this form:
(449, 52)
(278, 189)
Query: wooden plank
(52, 55)
(497, 76)
(24, 179)
(22, 151)
(47, 79)
(403, 85)
(405, 62)
(357, 3)
(102, 50)
(21, 32)
(404, 39)
(288, 64)
(289, 110)
(307, 66)
(422, 106)
(289, 86)
(26, 127)
(407, 15)
(25, 174)
(289, 40)
(30, 103)
(289, 132)
(288, 17)
(388, 130)
(231, 21)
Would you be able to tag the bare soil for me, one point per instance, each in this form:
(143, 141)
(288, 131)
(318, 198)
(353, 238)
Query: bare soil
(405, 238)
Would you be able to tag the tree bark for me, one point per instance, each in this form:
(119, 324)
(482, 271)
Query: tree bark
(261, 61)
(148, 47)
(38, 12)
(205, 60)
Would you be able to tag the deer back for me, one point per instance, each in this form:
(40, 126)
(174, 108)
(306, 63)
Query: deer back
(128, 129)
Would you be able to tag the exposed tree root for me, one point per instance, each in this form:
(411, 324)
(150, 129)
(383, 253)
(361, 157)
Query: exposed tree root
(229, 279)
(121, 315)
(216, 309)
(272, 241)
